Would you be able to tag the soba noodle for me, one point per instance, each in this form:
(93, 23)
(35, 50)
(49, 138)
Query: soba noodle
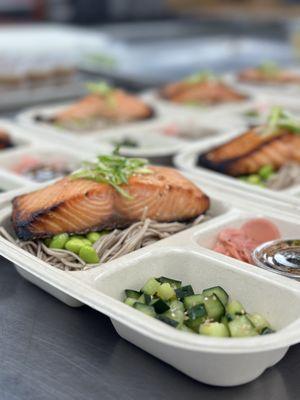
(110, 246)
(287, 176)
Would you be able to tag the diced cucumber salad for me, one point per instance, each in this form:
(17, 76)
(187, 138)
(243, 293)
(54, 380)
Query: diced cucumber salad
(209, 313)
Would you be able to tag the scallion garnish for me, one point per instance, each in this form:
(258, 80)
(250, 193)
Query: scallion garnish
(114, 170)
(269, 69)
(102, 88)
(279, 119)
(199, 77)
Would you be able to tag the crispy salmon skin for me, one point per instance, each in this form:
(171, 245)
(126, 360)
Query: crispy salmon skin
(247, 153)
(82, 205)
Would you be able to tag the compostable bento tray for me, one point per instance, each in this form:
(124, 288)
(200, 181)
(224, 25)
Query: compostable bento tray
(186, 160)
(27, 119)
(167, 107)
(186, 256)
(256, 88)
(162, 136)
(42, 151)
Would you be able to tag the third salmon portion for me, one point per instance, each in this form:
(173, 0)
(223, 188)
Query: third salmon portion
(273, 144)
(103, 103)
(203, 88)
(84, 204)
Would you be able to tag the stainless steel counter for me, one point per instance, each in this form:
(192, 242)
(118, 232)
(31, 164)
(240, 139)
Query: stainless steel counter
(49, 351)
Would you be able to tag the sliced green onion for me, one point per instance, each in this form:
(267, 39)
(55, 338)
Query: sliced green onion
(114, 170)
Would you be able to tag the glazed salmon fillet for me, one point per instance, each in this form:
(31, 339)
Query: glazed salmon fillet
(210, 92)
(247, 153)
(258, 76)
(82, 205)
(119, 106)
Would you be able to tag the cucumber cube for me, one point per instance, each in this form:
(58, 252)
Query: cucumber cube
(235, 307)
(197, 311)
(191, 301)
(215, 329)
(133, 294)
(258, 321)
(184, 291)
(166, 292)
(241, 326)
(151, 286)
(194, 324)
(176, 315)
(176, 305)
(219, 291)
(145, 299)
(130, 301)
(167, 320)
(214, 307)
(145, 309)
(160, 306)
(173, 282)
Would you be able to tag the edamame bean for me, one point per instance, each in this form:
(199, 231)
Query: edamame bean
(59, 241)
(87, 242)
(266, 171)
(93, 236)
(74, 245)
(89, 255)
(254, 179)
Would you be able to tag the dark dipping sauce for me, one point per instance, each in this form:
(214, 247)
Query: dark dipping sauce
(43, 173)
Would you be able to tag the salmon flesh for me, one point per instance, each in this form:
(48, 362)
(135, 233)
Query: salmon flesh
(210, 92)
(81, 205)
(250, 151)
(119, 106)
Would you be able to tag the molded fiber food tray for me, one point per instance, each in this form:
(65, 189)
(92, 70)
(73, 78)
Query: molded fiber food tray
(41, 151)
(169, 108)
(154, 137)
(20, 137)
(186, 160)
(27, 119)
(186, 256)
(291, 90)
(165, 136)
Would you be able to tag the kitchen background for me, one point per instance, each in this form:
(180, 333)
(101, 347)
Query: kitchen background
(136, 43)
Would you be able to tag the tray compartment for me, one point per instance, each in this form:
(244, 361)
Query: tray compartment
(207, 236)
(224, 362)
(27, 119)
(45, 153)
(217, 210)
(168, 108)
(187, 160)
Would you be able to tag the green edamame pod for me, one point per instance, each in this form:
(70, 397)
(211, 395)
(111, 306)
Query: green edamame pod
(89, 255)
(94, 236)
(59, 241)
(74, 245)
